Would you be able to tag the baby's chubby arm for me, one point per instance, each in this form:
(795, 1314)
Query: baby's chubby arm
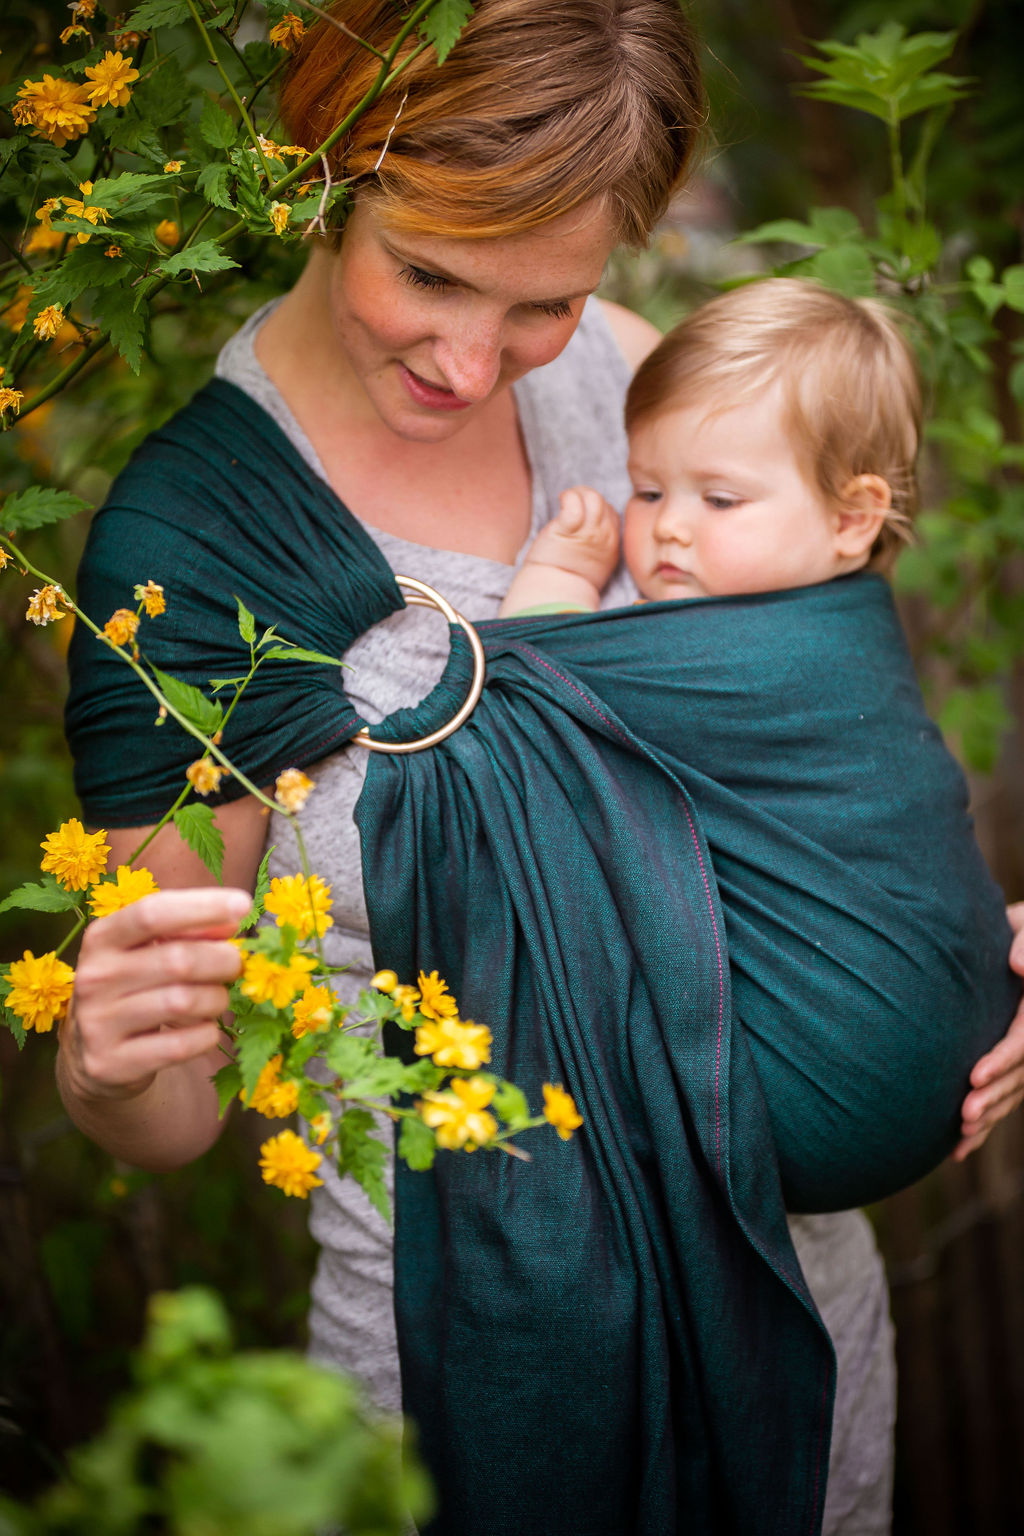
(571, 558)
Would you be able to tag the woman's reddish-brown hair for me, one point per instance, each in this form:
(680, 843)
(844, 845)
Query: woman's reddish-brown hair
(539, 108)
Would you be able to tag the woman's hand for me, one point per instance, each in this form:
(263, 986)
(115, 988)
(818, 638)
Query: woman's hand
(150, 983)
(997, 1081)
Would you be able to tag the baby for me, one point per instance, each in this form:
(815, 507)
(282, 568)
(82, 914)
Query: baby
(772, 439)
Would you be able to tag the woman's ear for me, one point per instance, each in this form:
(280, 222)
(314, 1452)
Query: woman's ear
(859, 515)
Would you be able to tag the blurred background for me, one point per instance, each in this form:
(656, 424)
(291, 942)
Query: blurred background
(84, 1241)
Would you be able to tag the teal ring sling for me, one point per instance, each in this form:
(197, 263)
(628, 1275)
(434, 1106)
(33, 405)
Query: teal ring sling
(706, 864)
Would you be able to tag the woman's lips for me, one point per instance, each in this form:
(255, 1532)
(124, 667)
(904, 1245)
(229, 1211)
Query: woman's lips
(432, 396)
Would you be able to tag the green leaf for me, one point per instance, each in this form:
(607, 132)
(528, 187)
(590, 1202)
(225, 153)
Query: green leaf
(115, 312)
(246, 622)
(16, 1027)
(259, 1039)
(131, 132)
(262, 887)
(364, 1157)
(158, 13)
(510, 1104)
(296, 653)
(206, 714)
(84, 266)
(207, 256)
(979, 719)
(197, 828)
(228, 1083)
(217, 127)
(349, 1055)
(214, 183)
(38, 506)
(846, 268)
(165, 95)
(443, 23)
(1013, 283)
(40, 896)
(416, 1144)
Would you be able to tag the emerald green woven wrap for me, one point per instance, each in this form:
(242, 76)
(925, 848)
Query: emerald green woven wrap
(706, 864)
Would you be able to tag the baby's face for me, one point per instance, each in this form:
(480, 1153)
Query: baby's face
(721, 506)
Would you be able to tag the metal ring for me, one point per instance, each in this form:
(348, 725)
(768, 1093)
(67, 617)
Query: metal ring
(422, 596)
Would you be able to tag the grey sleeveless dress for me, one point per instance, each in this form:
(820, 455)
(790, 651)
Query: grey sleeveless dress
(570, 415)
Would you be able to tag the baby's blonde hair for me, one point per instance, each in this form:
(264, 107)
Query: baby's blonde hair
(850, 382)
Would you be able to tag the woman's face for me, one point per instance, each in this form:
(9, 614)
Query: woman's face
(432, 329)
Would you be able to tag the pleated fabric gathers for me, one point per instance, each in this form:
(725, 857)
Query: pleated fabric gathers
(709, 866)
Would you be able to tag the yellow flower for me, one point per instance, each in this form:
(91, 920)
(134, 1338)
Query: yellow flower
(288, 32)
(279, 215)
(384, 981)
(167, 233)
(204, 776)
(313, 1011)
(128, 885)
(16, 312)
(47, 211)
(453, 1043)
(111, 77)
(173, 167)
(83, 10)
(80, 210)
(5, 558)
(287, 1162)
(77, 857)
(301, 906)
(268, 981)
(121, 626)
(55, 109)
(560, 1110)
(74, 30)
(40, 990)
(42, 606)
(460, 1116)
(406, 997)
(113, 250)
(271, 1096)
(10, 400)
(433, 1002)
(42, 240)
(321, 1127)
(48, 322)
(152, 593)
(292, 789)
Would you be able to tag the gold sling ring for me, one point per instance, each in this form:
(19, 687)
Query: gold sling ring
(422, 596)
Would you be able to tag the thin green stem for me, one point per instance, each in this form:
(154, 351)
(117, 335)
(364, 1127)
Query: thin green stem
(65, 376)
(165, 818)
(71, 936)
(246, 119)
(896, 163)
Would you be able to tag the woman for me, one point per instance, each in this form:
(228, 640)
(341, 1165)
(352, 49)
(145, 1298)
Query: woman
(444, 373)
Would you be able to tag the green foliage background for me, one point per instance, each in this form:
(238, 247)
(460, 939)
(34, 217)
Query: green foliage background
(84, 1242)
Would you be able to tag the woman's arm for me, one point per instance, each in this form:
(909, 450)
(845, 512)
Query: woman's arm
(997, 1081)
(140, 1042)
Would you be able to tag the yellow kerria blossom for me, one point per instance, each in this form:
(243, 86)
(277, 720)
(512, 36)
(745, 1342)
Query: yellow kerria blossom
(5, 558)
(312, 1012)
(460, 1116)
(74, 30)
(406, 997)
(321, 1126)
(288, 32)
(301, 906)
(288, 1163)
(271, 1096)
(54, 109)
(279, 215)
(77, 857)
(84, 10)
(268, 981)
(42, 240)
(172, 167)
(292, 789)
(128, 885)
(42, 606)
(384, 981)
(167, 233)
(40, 990)
(48, 322)
(80, 210)
(204, 775)
(454, 1043)
(112, 78)
(10, 400)
(121, 626)
(151, 593)
(435, 1001)
(560, 1110)
(113, 251)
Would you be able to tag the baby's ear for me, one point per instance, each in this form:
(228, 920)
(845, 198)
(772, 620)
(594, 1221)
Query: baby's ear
(860, 512)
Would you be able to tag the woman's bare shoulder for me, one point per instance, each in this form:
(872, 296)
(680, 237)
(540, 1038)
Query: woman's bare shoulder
(636, 337)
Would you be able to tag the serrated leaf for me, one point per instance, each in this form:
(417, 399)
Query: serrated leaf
(217, 127)
(207, 256)
(262, 887)
(510, 1104)
(206, 714)
(246, 622)
(133, 133)
(258, 1040)
(16, 1027)
(227, 1082)
(349, 1055)
(115, 312)
(37, 507)
(443, 23)
(214, 183)
(416, 1144)
(197, 828)
(84, 266)
(165, 94)
(267, 636)
(364, 1157)
(379, 1079)
(40, 896)
(296, 653)
(158, 13)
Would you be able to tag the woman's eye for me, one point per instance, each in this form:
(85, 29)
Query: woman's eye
(561, 310)
(418, 277)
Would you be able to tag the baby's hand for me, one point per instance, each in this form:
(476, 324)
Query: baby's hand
(570, 559)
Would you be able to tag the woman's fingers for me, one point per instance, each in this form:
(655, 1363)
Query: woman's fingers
(197, 913)
(997, 1080)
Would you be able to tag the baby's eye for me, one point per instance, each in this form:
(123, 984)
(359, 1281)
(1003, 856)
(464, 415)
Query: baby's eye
(648, 496)
(419, 277)
(720, 502)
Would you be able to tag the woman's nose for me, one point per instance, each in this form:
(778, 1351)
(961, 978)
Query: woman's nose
(470, 359)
